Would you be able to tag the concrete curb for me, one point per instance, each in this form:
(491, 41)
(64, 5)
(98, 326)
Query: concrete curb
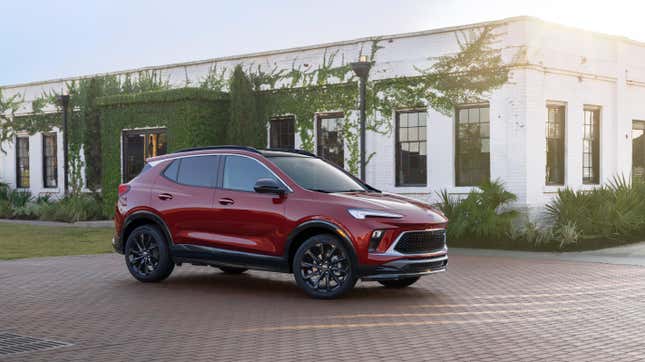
(81, 224)
(633, 254)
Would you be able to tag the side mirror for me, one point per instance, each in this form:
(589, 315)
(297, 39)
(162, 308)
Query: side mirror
(268, 186)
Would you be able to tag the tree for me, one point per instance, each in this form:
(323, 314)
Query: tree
(244, 127)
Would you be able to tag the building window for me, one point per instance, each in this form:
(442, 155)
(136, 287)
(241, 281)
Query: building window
(50, 160)
(638, 149)
(329, 130)
(411, 151)
(138, 145)
(282, 132)
(22, 162)
(555, 145)
(472, 161)
(591, 146)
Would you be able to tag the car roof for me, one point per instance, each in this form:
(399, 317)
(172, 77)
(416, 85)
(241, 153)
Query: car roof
(269, 152)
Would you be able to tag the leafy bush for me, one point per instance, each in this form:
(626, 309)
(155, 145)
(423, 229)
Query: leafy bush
(5, 209)
(568, 234)
(481, 215)
(18, 204)
(72, 209)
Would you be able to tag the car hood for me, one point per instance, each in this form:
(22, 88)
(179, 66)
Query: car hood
(412, 210)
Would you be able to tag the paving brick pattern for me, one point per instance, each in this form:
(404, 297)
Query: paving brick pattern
(484, 309)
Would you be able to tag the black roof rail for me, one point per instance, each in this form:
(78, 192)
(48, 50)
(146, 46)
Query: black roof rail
(224, 147)
(292, 150)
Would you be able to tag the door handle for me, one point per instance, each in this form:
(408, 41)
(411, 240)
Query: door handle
(165, 196)
(226, 201)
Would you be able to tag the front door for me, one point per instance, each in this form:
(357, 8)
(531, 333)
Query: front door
(248, 221)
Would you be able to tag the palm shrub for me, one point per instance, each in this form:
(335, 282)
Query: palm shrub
(482, 215)
(616, 210)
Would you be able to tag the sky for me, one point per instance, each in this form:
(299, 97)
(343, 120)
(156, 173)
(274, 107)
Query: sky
(49, 39)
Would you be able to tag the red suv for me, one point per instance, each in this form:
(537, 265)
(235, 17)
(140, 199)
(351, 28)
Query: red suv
(238, 208)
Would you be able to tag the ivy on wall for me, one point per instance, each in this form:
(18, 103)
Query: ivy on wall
(8, 108)
(192, 116)
(103, 105)
(464, 77)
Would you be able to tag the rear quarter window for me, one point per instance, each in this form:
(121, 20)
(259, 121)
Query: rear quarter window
(198, 171)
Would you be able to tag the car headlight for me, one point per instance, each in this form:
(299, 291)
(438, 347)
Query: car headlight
(364, 213)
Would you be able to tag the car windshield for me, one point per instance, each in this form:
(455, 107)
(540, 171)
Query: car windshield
(317, 175)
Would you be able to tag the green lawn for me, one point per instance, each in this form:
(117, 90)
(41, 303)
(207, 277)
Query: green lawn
(27, 241)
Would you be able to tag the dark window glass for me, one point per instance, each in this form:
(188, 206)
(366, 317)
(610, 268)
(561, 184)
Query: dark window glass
(472, 159)
(241, 173)
(171, 171)
(555, 145)
(591, 146)
(138, 145)
(330, 138)
(282, 132)
(638, 149)
(198, 171)
(411, 149)
(50, 160)
(22, 162)
(316, 174)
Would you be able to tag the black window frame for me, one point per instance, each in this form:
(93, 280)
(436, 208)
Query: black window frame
(145, 132)
(19, 172)
(591, 136)
(399, 179)
(458, 145)
(559, 141)
(290, 120)
(53, 159)
(320, 148)
(638, 152)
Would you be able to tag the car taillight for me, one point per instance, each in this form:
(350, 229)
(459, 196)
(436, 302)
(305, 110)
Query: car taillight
(123, 189)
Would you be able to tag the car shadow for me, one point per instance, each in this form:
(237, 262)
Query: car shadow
(271, 285)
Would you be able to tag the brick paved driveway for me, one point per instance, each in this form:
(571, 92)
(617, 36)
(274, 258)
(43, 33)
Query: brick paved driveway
(484, 308)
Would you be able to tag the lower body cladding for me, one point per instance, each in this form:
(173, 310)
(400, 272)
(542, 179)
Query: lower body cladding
(405, 268)
(203, 255)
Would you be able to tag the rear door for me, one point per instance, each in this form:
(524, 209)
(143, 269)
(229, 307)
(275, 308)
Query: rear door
(248, 221)
(183, 194)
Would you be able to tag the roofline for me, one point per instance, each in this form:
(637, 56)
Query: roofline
(273, 52)
(320, 46)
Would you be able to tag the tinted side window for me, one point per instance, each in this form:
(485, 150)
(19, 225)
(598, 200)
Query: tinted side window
(171, 171)
(241, 173)
(197, 171)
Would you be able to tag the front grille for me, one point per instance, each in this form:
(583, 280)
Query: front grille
(425, 267)
(418, 242)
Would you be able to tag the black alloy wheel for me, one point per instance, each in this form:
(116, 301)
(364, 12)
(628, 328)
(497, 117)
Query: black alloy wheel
(146, 254)
(323, 267)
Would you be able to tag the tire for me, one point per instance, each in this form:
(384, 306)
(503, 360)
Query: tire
(324, 268)
(399, 283)
(232, 270)
(147, 255)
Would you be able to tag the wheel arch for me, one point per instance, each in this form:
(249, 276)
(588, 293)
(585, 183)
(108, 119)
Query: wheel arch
(314, 227)
(140, 218)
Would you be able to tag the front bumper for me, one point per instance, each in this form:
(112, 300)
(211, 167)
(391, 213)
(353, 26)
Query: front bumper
(406, 268)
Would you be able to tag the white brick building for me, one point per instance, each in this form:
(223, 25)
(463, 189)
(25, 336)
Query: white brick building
(570, 76)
